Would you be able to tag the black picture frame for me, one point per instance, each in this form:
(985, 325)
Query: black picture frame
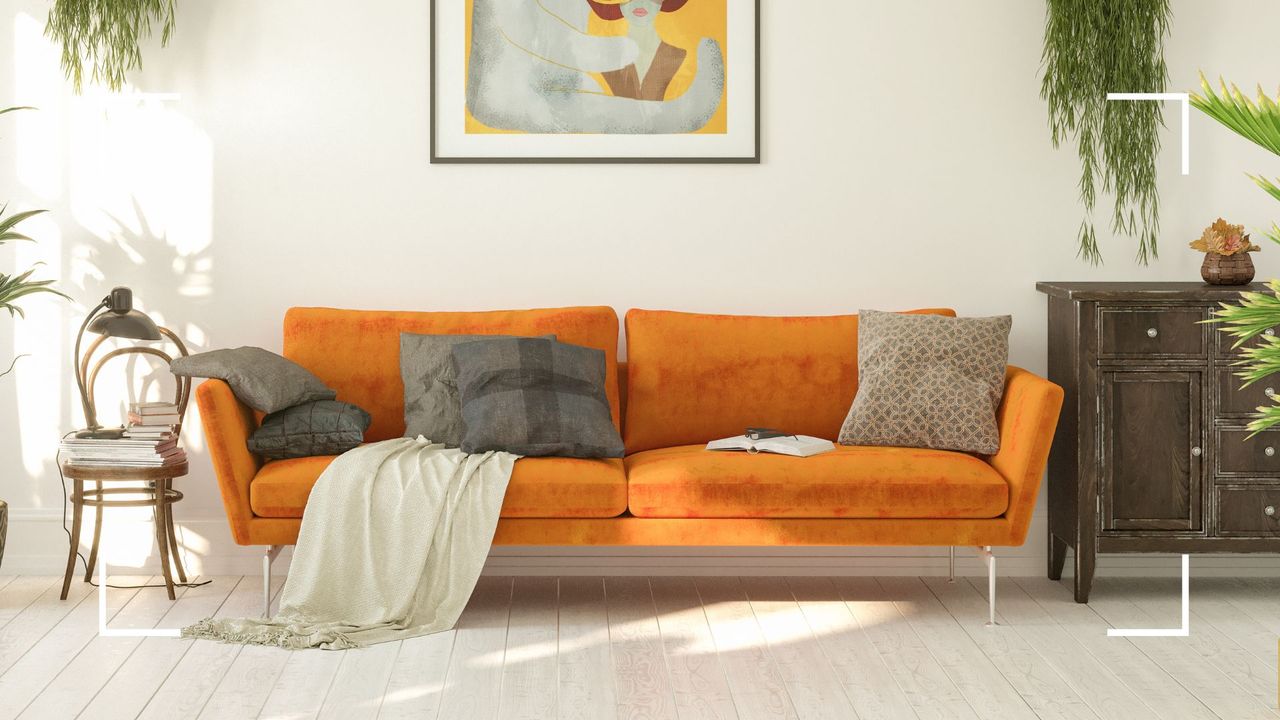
(437, 159)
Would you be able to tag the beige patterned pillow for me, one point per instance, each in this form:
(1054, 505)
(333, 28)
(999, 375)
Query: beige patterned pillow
(928, 381)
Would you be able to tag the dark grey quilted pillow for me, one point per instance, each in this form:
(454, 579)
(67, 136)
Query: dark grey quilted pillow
(534, 397)
(324, 427)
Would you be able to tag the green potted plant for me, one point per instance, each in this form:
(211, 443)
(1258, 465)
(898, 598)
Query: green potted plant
(1226, 249)
(14, 288)
(1257, 312)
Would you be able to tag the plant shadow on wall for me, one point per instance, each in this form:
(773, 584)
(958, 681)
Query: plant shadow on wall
(172, 287)
(1091, 48)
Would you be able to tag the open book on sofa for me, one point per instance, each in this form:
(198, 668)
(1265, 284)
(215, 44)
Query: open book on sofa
(797, 445)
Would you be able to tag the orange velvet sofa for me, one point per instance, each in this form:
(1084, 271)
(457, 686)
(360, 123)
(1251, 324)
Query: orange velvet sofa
(690, 378)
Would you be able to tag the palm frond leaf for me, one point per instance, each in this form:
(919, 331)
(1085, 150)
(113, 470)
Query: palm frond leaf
(1258, 122)
(7, 224)
(15, 287)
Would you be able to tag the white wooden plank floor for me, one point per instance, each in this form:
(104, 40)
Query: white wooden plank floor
(680, 648)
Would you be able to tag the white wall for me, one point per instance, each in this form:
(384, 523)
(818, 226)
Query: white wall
(906, 163)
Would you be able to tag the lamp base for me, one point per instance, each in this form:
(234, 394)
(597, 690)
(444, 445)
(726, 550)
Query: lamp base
(115, 433)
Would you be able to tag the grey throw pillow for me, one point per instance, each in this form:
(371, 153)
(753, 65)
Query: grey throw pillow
(324, 427)
(259, 378)
(531, 396)
(928, 381)
(431, 406)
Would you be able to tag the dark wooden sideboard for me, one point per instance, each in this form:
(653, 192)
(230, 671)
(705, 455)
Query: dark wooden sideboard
(1151, 454)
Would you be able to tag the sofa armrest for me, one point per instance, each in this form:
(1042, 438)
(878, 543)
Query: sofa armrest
(1027, 418)
(227, 425)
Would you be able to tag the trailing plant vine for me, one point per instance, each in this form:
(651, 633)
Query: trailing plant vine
(105, 34)
(1092, 47)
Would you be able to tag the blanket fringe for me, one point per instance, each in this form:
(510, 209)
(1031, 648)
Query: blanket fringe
(234, 631)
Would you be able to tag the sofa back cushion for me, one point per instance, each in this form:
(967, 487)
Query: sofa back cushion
(693, 378)
(357, 352)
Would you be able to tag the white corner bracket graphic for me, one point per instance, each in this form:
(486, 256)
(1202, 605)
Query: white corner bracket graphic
(1185, 99)
(105, 631)
(1183, 631)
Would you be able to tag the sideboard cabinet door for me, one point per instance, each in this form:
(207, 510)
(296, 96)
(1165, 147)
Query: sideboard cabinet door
(1152, 451)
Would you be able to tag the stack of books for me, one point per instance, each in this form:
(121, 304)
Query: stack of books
(152, 420)
(124, 452)
(149, 441)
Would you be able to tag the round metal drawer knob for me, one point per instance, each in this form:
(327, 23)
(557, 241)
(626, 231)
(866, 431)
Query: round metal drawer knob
(1269, 451)
(1152, 332)
(1269, 332)
(1196, 451)
(1270, 392)
(1269, 511)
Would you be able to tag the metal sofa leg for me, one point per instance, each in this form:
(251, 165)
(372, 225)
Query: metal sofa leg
(990, 559)
(951, 564)
(268, 556)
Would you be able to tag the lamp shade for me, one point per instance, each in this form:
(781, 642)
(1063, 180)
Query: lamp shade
(130, 324)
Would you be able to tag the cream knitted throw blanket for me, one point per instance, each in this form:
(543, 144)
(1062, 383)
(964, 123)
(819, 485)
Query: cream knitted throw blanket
(392, 542)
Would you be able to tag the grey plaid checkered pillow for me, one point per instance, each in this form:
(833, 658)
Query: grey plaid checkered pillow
(534, 397)
(431, 406)
(324, 427)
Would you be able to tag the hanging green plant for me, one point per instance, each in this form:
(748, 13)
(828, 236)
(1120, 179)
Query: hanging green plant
(105, 34)
(1092, 47)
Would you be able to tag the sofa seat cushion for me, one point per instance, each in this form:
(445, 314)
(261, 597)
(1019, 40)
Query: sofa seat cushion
(545, 487)
(851, 482)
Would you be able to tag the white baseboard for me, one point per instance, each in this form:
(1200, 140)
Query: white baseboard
(37, 545)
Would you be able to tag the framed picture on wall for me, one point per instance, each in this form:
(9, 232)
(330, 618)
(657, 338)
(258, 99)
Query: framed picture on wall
(615, 81)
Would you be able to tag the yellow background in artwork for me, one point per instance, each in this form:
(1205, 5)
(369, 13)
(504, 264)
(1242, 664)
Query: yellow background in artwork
(682, 28)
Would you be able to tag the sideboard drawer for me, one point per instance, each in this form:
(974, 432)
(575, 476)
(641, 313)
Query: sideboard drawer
(1252, 511)
(1153, 332)
(1241, 455)
(1223, 341)
(1235, 401)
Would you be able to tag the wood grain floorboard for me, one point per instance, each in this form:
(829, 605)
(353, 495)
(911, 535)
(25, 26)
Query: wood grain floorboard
(1181, 657)
(586, 684)
(72, 689)
(698, 679)
(529, 686)
(635, 641)
(930, 690)
(193, 679)
(981, 683)
(416, 684)
(1037, 604)
(869, 685)
(29, 674)
(126, 693)
(705, 648)
(814, 688)
(1048, 695)
(757, 685)
(473, 683)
